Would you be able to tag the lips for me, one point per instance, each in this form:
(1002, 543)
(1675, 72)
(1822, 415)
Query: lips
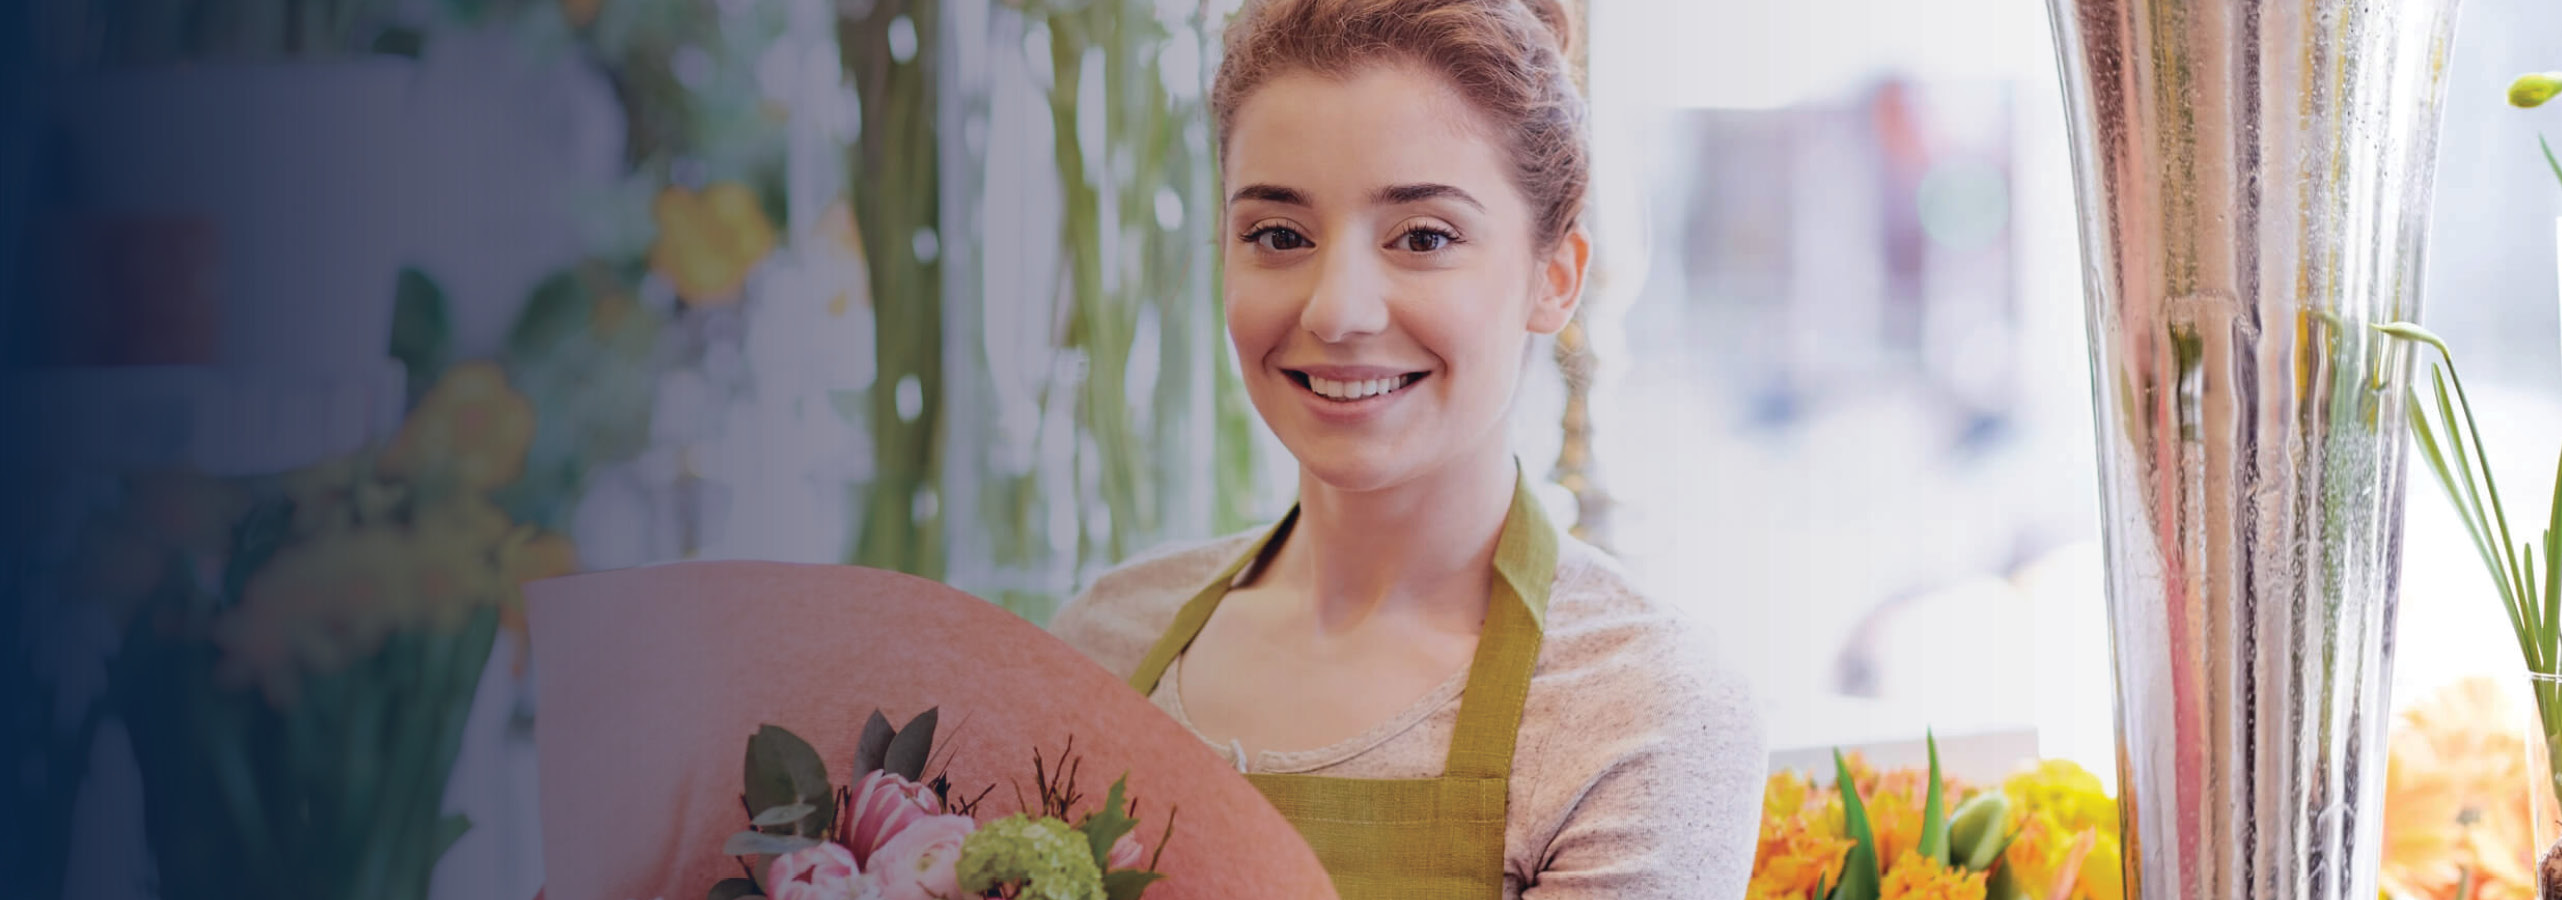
(1354, 389)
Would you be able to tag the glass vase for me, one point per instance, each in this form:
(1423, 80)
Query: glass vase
(2254, 182)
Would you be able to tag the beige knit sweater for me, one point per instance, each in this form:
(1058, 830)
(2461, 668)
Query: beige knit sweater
(1639, 767)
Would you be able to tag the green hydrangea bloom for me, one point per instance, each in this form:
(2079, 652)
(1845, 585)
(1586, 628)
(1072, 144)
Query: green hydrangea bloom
(1049, 860)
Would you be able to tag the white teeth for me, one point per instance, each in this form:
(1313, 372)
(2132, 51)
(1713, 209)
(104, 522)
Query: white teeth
(1354, 390)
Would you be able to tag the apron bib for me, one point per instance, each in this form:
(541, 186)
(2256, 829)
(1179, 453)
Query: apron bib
(1420, 838)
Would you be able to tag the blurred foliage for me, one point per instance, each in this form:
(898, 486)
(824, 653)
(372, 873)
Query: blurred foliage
(889, 53)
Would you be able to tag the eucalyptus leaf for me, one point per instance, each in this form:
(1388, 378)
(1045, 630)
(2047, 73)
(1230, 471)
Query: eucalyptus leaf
(758, 843)
(782, 815)
(734, 889)
(874, 747)
(913, 745)
(783, 770)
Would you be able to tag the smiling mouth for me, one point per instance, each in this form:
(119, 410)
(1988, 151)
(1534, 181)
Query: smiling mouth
(1352, 391)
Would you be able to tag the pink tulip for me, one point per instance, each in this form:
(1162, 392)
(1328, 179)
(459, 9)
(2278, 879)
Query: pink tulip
(920, 863)
(884, 804)
(824, 872)
(1126, 854)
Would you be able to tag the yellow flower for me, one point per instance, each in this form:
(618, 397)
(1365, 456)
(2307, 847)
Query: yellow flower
(1915, 877)
(472, 424)
(2455, 801)
(1796, 853)
(2047, 854)
(708, 242)
(2066, 791)
(315, 607)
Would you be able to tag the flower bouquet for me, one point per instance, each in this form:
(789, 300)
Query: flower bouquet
(651, 676)
(300, 650)
(894, 834)
(2451, 443)
(2046, 833)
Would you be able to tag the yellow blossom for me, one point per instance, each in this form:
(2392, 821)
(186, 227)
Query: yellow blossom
(1916, 877)
(709, 241)
(1796, 853)
(472, 424)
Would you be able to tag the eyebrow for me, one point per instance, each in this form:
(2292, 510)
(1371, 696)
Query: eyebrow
(1400, 194)
(1392, 195)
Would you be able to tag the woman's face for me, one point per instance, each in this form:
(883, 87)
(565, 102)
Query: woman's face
(1382, 276)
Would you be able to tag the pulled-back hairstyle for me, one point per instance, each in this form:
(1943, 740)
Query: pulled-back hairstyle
(1509, 58)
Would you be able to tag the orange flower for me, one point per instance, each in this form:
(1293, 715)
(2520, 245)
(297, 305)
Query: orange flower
(1915, 877)
(2455, 801)
(1794, 856)
(708, 242)
(471, 425)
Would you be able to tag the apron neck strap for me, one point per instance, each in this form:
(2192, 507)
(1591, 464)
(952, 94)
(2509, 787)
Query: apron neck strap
(1525, 565)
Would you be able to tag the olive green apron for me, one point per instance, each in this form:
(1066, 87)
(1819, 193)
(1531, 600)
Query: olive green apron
(1420, 838)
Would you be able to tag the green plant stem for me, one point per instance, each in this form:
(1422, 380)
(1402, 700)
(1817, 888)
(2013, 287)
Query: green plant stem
(896, 198)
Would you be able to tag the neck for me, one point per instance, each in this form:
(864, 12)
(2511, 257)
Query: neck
(1425, 546)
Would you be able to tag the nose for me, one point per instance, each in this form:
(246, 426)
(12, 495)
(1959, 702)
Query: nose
(1349, 298)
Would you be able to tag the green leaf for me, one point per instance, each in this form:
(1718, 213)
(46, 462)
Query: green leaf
(734, 889)
(1934, 834)
(909, 750)
(782, 815)
(448, 830)
(401, 40)
(1859, 872)
(558, 309)
(783, 770)
(874, 747)
(758, 843)
(1108, 824)
(2549, 158)
(1127, 884)
(2411, 331)
(422, 331)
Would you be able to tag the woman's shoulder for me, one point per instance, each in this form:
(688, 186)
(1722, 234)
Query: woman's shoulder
(1120, 615)
(1643, 743)
(1605, 630)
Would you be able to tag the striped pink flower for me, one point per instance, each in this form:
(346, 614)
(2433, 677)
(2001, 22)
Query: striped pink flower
(883, 805)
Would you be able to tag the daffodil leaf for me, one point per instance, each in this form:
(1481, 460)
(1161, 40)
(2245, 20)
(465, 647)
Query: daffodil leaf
(422, 331)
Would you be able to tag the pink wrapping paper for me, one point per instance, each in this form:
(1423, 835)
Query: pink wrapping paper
(652, 679)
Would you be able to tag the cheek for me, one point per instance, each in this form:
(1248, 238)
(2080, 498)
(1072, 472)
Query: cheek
(1258, 317)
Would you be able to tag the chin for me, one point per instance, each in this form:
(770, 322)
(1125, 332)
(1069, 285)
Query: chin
(1356, 465)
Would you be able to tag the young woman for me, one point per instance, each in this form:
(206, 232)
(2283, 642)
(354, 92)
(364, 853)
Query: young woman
(1449, 697)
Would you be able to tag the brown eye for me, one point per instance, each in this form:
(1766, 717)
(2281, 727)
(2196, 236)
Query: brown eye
(1277, 239)
(1424, 240)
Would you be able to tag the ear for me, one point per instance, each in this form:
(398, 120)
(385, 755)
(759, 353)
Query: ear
(1560, 282)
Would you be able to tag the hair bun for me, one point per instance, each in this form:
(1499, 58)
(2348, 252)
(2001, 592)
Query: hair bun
(1558, 15)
